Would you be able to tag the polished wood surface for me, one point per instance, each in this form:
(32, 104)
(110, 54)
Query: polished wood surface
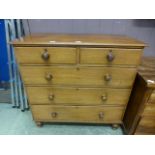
(93, 114)
(147, 71)
(135, 106)
(64, 55)
(149, 110)
(60, 55)
(85, 76)
(77, 96)
(140, 113)
(152, 97)
(146, 126)
(79, 40)
(78, 78)
(100, 56)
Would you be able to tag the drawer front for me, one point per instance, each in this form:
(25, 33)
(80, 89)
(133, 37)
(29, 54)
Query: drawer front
(146, 126)
(149, 110)
(49, 55)
(110, 56)
(96, 114)
(96, 76)
(152, 97)
(77, 96)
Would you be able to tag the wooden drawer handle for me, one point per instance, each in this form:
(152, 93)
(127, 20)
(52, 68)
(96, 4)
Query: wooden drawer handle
(54, 114)
(45, 55)
(110, 56)
(48, 76)
(51, 97)
(101, 115)
(104, 97)
(107, 77)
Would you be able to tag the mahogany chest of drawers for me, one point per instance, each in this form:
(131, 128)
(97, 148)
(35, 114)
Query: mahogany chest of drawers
(78, 78)
(140, 114)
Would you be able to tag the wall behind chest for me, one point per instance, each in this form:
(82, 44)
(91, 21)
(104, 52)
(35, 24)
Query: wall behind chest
(140, 29)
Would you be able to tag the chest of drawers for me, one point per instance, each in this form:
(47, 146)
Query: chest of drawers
(78, 78)
(140, 114)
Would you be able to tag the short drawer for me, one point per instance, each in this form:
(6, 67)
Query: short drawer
(93, 114)
(96, 76)
(149, 110)
(146, 126)
(110, 56)
(46, 55)
(77, 96)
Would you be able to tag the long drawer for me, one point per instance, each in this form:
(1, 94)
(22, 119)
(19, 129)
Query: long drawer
(64, 75)
(110, 56)
(46, 55)
(77, 96)
(93, 114)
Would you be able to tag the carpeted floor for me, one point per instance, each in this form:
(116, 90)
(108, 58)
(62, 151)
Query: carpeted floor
(15, 122)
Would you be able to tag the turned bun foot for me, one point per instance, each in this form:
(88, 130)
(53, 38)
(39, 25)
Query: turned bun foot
(39, 124)
(115, 126)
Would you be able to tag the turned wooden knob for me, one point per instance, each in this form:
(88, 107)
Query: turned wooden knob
(110, 56)
(101, 115)
(104, 97)
(45, 55)
(107, 77)
(51, 97)
(48, 76)
(54, 114)
(115, 126)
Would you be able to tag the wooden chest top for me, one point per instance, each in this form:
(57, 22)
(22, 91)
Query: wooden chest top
(79, 40)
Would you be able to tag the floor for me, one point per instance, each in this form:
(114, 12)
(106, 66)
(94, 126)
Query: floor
(15, 122)
(5, 96)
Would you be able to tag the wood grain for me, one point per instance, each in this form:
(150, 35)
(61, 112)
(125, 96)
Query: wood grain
(99, 56)
(147, 71)
(140, 113)
(146, 126)
(79, 40)
(152, 98)
(93, 76)
(136, 104)
(33, 55)
(77, 96)
(77, 113)
(149, 110)
(76, 76)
